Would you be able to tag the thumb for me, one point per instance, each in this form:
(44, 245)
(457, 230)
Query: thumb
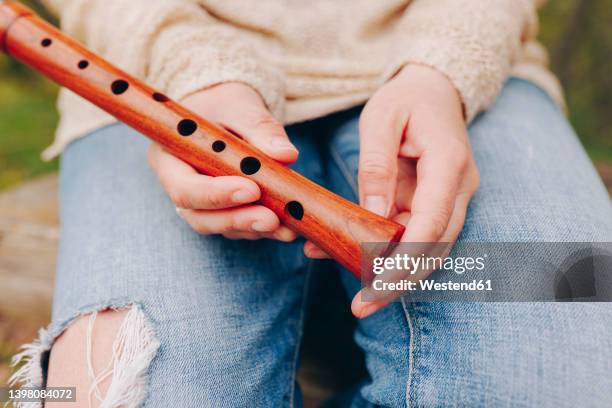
(263, 131)
(380, 135)
(249, 117)
(240, 109)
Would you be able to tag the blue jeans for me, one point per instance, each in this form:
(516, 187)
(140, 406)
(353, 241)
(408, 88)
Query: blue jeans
(229, 314)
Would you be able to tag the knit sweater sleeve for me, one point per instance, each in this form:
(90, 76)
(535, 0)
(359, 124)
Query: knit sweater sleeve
(473, 42)
(174, 45)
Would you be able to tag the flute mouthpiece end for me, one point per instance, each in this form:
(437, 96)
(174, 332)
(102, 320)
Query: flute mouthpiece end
(10, 11)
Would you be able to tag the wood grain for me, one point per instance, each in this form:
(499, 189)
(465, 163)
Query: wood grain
(336, 225)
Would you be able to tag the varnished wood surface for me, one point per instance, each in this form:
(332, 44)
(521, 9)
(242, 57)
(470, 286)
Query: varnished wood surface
(9, 13)
(334, 224)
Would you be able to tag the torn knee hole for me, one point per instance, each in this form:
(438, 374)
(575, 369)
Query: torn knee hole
(113, 348)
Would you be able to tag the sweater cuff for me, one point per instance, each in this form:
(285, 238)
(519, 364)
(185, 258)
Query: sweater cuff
(189, 58)
(473, 43)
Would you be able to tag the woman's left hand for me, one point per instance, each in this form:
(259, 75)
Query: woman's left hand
(416, 164)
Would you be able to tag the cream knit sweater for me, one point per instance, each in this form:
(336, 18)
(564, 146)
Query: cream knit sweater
(306, 58)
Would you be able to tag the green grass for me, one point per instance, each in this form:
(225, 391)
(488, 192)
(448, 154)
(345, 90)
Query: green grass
(580, 45)
(27, 122)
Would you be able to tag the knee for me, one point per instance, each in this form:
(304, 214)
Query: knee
(104, 355)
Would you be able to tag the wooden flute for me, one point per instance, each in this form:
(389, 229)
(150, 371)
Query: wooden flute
(334, 224)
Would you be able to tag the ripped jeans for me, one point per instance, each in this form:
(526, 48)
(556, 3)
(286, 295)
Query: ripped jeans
(226, 317)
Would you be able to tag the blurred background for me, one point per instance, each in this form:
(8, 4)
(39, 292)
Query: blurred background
(578, 35)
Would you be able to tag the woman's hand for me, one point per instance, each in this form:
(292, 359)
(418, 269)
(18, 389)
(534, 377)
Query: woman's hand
(223, 205)
(416, 164)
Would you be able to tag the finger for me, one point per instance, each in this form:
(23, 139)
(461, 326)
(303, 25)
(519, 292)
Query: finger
(439, 172)
(362, 308)
(457, 220)
(380, 132)
(406, 184)
(250, 218)
(314, 252)
(282, 234)
(379, 293)
(191, 190)
(239, 108)
(249, 236)
(464, 196)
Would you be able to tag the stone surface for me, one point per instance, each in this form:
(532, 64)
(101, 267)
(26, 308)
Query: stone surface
(28, 246)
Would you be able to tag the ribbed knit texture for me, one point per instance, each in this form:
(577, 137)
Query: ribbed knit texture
(305, 58)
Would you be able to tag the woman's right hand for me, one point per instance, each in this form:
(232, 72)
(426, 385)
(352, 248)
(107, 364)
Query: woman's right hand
(224, 205)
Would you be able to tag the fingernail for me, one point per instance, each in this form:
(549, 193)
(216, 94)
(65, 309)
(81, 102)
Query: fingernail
(368, 310)
(284, 234)
(377, 204)
(281, 144)
(243, 196)
(259, 226)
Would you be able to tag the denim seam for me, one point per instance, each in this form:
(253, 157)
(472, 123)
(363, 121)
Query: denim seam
(348, 175)
(296, 353)
(410, 352)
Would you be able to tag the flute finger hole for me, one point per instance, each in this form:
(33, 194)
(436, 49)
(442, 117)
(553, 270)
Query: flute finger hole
(218, 146)
(119, 86)
(186, 127)
(295, 209)
(160, 97)
(46, 42)
(83, 64)
(250, 165)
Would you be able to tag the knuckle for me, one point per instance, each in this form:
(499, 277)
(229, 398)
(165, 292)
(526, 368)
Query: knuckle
(375, 114)
(375, 166)
(180, 197)
(371, 110)
(213, 199)
(200, 226)
(438, 226)
(438, 222)
(201, 229)
(459, 154)
(234, 224)
(264, 120)
(475, 179)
